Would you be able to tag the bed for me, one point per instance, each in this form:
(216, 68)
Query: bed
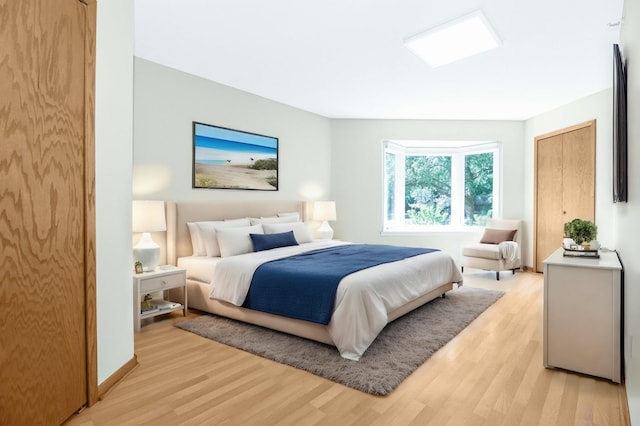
(353, 324)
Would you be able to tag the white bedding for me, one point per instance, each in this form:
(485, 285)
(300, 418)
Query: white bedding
(364, 298)
(199, 268)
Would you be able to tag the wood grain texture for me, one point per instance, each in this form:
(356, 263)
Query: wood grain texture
(579, 173)
(42, 213)
(564, 184)
(549, 202)
(490, 374)
(90, 202)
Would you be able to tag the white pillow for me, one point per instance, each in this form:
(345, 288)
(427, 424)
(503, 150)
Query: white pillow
(273, 219)
(300, 230)
(294, 214)
(207, 231)
(234, 241)
(197, 245)
(238, 221)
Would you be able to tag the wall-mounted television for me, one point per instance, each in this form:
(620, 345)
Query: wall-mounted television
(619, 127)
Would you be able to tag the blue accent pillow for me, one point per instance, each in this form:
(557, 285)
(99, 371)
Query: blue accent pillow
(270, 241)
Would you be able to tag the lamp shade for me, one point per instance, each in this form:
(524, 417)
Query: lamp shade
(148, 216)
(324, 210)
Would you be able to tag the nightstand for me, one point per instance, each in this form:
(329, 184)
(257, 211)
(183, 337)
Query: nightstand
(155, 281)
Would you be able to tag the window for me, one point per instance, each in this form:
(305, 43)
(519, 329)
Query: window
(440, 185)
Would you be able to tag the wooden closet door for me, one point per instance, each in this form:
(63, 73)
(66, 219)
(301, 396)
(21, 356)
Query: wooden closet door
(578, 157)
(46, 208)
(549, 204)
(565, 185)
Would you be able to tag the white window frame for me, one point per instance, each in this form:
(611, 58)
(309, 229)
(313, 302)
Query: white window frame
(457, 150)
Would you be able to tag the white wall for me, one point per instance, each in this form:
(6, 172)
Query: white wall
(167, 101)
(356, 172)
(599, 107)
(625, 215)
(114, 129)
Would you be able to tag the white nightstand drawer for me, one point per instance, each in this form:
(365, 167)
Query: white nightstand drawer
(161, 283)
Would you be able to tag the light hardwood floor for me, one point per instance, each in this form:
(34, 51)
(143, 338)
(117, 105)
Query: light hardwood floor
(490, 374)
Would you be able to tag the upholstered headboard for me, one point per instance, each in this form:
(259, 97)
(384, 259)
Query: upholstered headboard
(180, 213)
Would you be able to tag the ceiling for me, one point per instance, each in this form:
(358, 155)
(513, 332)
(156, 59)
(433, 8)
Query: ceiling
(346, 58)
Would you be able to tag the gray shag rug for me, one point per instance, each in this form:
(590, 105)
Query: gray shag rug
(399, 349)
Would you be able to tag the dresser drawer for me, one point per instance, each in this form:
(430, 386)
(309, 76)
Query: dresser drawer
(161, 283)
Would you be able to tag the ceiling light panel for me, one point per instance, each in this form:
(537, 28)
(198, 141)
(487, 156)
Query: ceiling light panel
(455, 40)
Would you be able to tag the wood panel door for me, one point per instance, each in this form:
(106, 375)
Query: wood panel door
(579, 160)
(565, 185)
(549, 180)
(47, 213)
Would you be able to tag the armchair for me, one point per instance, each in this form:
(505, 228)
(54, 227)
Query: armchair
(492, 252)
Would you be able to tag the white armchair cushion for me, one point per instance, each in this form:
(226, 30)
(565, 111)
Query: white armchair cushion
(485, 251)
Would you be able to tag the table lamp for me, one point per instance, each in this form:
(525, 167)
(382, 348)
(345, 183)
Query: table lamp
(148, 216)
(324, 211)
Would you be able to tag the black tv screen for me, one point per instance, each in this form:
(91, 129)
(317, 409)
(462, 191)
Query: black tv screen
(619, 127)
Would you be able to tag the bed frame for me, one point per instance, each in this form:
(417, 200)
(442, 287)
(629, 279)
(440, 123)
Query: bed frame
(179, 245)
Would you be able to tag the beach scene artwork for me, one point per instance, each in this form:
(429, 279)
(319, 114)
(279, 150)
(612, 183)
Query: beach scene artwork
(232, 159)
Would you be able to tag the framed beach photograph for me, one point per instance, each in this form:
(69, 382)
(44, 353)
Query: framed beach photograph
(232, 159)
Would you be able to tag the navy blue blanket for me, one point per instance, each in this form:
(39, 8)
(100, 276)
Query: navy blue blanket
(304, 286)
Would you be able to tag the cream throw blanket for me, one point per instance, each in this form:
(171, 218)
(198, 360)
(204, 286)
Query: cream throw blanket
(508, 250)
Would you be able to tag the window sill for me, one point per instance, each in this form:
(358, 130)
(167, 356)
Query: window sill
(430, 230)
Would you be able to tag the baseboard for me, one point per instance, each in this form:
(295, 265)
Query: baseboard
(624, 405)
(117, 377)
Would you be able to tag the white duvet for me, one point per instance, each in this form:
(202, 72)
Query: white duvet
(363, 299)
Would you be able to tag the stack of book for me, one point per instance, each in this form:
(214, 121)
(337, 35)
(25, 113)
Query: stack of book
(164, 304)
(149, 309)
(592, 254)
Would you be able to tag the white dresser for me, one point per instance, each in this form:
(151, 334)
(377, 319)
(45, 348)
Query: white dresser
(582, 314)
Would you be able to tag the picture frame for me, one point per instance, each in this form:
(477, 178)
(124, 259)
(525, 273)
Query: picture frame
(138, 267)
(226, 158)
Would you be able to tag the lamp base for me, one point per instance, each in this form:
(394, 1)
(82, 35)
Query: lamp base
(147, 252)
(324, 232)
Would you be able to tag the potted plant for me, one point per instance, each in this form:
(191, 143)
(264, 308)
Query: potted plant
(580, 231)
